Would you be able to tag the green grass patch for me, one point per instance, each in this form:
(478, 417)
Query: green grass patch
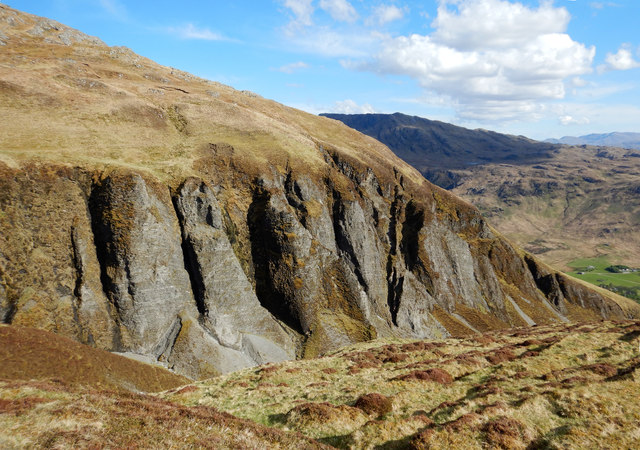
(595, 271)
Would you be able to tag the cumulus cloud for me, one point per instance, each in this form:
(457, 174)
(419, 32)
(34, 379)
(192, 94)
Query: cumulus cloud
(383, 14)
(348, 106)
(622, 60)
(493, 58)
(190, 31)
(340, 10)
(293, 67)
(481, 24)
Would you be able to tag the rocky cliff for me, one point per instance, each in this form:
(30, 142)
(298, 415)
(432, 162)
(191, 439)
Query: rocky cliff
(146, 211)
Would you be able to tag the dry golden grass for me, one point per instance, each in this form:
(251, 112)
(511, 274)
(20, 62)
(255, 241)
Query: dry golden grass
(540, 387)
(55, 415)
(98, 107)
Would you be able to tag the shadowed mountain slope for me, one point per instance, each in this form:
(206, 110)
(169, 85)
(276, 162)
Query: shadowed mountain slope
(431, 144)
(148, 211)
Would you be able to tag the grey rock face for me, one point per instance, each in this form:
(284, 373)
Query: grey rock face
(328, 263)
(226, 301)
(142, 269)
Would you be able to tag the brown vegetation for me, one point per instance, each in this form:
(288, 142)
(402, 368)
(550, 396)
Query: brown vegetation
(559, 386)
(30, 354)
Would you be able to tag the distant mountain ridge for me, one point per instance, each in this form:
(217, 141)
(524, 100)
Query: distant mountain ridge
(434, 144)
(615, 139)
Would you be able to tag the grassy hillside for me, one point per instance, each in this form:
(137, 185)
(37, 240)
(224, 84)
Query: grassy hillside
(78, 102)
(50, 414)
(33, 354)
(540, 387)
(583, 203)
(570, 387)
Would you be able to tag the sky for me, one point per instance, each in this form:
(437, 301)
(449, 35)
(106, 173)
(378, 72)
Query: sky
(543, 69)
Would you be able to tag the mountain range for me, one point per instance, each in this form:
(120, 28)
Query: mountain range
(616, 139)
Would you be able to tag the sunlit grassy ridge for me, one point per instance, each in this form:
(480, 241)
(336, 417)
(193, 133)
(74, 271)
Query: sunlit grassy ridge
(550, 386)
(87, 104)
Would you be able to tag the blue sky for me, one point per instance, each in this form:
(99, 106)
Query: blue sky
(538, 68)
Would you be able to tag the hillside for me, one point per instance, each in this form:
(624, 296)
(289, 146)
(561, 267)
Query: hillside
(540, 387)
(554, 386)
(32, 354)
(147, 211)
(52, 414)
(560, 203)
(616, 139)
(583, 203)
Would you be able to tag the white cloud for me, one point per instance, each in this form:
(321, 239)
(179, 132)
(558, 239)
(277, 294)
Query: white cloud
(302, 10)
(350, 107)
(190, 31)
(482, 24)
(622, 60)
(570, 120)
(579, 82)
(593, 117)
(383, 14)
(326, 41)
(493, 58)
(292, 67)
(340, 10)
(601, 5)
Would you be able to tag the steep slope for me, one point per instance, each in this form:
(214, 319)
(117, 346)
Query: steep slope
(147, 211)
(560, 203)
(33, 354)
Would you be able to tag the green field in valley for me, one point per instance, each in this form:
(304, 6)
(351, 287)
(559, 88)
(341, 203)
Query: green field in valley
(595, 271)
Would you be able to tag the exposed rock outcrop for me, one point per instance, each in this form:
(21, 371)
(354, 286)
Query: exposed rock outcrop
(114, 260)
